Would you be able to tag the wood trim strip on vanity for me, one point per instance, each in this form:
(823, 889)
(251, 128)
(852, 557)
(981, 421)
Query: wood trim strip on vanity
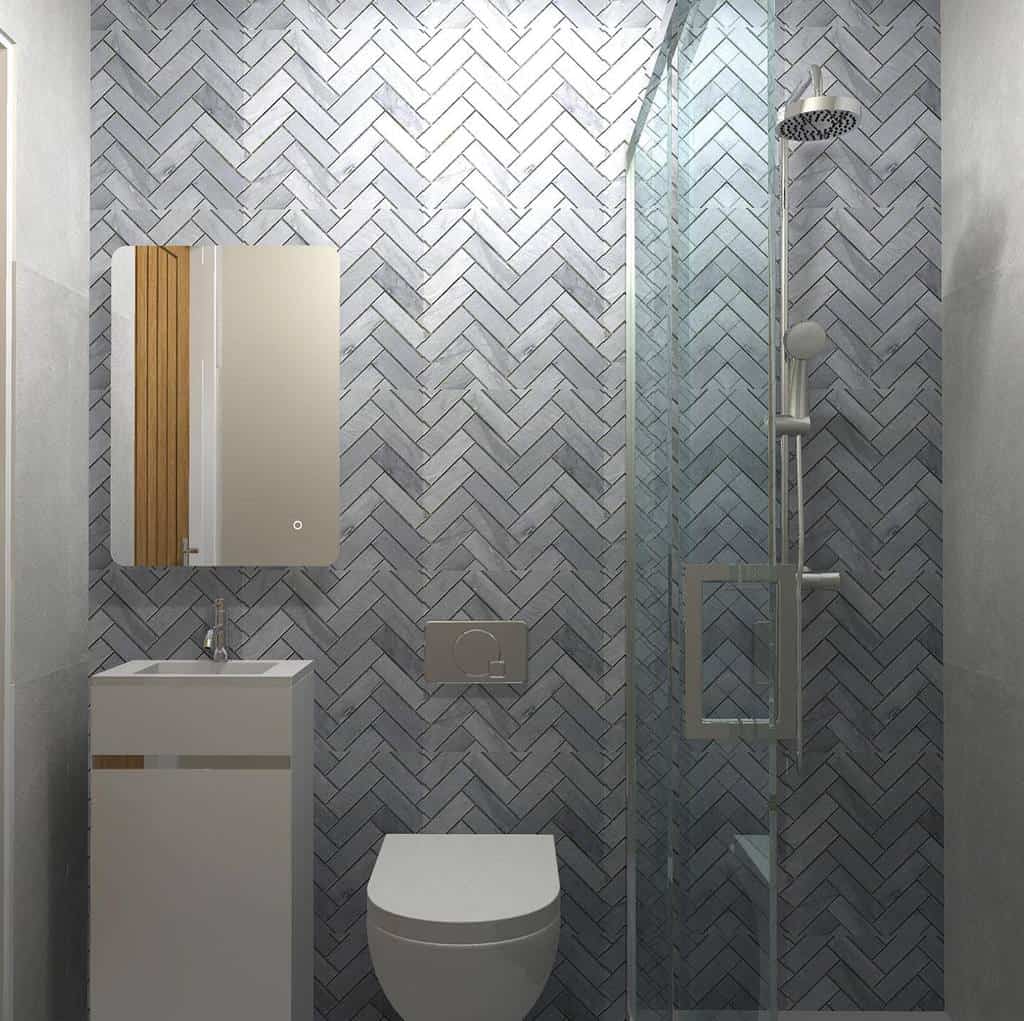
(123, 762)
(119, 762)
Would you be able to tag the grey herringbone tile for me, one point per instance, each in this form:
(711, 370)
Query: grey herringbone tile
(467, 161)
(862, 823)
(468, 166)
(861, 891)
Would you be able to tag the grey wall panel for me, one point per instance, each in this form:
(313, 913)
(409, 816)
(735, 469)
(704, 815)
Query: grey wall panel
(982, 368)
(49, 597)
(51, 146)
(50, 893)
(49, 579)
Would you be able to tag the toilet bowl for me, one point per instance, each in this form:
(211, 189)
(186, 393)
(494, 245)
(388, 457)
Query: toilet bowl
(463, 927)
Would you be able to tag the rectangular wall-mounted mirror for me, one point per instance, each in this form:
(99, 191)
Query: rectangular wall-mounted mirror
(224, 406)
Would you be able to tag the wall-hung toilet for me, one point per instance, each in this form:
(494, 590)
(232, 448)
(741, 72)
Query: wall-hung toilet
(463, 927)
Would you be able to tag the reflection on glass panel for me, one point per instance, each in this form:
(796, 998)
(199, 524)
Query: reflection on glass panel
(722, 891)
(652, 790)
(738, 645)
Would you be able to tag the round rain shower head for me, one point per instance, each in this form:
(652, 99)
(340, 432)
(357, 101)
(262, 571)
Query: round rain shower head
(805, 340)
(818, 118)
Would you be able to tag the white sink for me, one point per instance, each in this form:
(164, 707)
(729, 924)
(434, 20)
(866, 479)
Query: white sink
(197, 707)
(208, 668)
(143, 671)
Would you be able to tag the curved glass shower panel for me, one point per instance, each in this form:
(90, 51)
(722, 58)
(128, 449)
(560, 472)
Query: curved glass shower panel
(651, 758)
(724, 890)
(703, 588)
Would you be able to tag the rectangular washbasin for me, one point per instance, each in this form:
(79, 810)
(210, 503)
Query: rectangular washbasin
(196, 707)
(199, 668)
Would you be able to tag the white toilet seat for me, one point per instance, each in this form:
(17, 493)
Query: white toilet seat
(463, 927)
(455, 888)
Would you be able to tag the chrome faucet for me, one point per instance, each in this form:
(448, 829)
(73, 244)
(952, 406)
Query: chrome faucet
(216, 637)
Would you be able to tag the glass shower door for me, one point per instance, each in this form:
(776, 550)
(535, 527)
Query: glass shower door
(734, 606)
(708, 605)
(650, 742)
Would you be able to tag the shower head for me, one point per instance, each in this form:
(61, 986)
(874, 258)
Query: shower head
(803, 342)
(817, 118)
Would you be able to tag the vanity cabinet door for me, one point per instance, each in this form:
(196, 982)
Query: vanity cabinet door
(191, 915)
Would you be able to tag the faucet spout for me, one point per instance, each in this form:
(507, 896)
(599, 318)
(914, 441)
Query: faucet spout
(216, 636)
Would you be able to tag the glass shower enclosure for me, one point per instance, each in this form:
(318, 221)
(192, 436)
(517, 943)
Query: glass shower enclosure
(712, 626)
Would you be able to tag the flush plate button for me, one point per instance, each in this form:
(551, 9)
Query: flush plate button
(476, 652)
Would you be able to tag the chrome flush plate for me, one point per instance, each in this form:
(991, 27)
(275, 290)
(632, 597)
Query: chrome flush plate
(476, 652)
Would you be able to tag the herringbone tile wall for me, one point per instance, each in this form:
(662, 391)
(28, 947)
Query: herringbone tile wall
(861, 846)
(467, 160)
(862, 820)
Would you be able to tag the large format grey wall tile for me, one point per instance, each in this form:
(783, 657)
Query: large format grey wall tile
(985, 772)
(984, 703)
(51, 151)
(48, 563)
(49, 906)
(983, 216)
(47, 720)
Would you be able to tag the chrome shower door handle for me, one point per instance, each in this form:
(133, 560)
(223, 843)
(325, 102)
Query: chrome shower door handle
(781, 721)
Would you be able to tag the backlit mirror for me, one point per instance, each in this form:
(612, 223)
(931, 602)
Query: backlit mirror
(224, 406)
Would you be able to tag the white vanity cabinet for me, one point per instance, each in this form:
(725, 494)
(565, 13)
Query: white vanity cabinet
(201, 842)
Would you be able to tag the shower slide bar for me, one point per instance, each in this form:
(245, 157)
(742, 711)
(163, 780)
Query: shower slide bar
(815, 118)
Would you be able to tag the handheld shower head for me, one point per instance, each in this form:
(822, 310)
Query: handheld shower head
(817, 118)
(803, 342)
